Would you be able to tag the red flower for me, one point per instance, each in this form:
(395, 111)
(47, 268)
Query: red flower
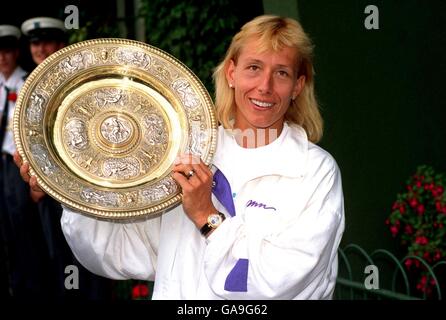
(135, 292)
(12, 96)
(438, 191)
(408, 229)
(144, 291)
(421, 240)
(420, 209)
(413, 202)
(140, 291)
(422, 284)
(394, 230)
(417, 263)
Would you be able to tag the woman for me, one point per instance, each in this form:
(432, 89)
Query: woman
(266, 221)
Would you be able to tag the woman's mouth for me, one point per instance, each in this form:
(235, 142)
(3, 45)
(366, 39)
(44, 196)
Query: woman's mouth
(262, 104)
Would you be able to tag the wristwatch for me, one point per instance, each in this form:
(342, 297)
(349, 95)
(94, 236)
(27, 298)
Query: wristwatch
(214, 220)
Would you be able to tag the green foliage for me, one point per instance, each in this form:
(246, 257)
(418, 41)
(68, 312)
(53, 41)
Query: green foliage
(94, 26)
(418, 220)
(196, 32)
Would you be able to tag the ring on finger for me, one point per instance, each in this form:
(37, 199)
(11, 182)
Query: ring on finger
(190, 173)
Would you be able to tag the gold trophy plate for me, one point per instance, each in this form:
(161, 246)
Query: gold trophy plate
(101, 122)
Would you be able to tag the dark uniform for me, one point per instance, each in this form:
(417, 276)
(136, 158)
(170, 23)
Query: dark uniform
(47, 35)
(23, 254)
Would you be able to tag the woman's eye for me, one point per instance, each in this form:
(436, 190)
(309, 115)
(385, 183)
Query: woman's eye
(253, 68)
(283, 73)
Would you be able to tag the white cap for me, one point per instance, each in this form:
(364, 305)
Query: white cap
(7, 30)
(41, 23)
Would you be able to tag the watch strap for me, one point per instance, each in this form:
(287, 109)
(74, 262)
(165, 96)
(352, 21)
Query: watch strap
(207, 227)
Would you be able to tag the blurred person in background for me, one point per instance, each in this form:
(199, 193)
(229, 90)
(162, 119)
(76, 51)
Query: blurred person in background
(47, 35)
(23, 244)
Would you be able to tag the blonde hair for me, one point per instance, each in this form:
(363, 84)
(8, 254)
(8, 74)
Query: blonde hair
(274, 33)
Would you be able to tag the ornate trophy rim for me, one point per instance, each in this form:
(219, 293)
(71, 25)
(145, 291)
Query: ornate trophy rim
(150, 84)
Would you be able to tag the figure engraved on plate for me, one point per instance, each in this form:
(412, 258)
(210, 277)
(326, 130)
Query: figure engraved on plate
(165, 188)
(75, 133)
(186, 93)
(104, 54)
(41, 155)
(77, 61)
(156, 131)
(121, 169)
(115, 129)
(108, 96)
(160, 70)
(99, 197)
(35, 110)
(198, 138)
(136, 58)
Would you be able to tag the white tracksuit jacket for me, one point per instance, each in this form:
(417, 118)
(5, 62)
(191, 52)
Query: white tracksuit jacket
(281, 244)
(14, 84)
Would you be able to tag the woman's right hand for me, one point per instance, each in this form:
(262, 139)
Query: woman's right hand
(36, 192)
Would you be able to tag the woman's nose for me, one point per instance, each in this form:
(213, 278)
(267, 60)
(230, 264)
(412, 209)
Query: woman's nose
(265, 83)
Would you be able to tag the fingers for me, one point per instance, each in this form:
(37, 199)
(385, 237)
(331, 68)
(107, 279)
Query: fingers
(190, 172)
(24, 171)
(36, 192)
(23, 166)
(193, 169)
(182, 181)
(17, 159)
(34, 185)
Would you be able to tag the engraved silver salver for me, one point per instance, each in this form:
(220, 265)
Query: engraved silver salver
(101, 122)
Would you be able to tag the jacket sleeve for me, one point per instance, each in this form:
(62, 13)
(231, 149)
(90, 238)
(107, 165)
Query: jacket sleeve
(291, 256)
(113, 249)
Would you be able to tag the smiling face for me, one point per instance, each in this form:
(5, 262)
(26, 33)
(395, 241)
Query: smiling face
(40, 50)
(264, 84)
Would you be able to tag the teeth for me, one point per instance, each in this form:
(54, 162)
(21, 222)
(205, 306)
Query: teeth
(262, 104)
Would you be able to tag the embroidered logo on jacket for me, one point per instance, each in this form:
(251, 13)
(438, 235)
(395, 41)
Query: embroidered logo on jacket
(255, 204)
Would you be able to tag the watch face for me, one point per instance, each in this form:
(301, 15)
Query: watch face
(214, 220)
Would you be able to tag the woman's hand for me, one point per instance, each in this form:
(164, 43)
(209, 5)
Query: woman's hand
(36, 192)
(195, 179)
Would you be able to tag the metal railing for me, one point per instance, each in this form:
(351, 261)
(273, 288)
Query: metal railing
(393, 279)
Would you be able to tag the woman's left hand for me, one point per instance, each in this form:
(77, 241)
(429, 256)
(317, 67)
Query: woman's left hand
(195, 178)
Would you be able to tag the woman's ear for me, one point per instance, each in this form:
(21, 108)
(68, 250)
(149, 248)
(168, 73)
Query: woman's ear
(299, 86)
(229, 72)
